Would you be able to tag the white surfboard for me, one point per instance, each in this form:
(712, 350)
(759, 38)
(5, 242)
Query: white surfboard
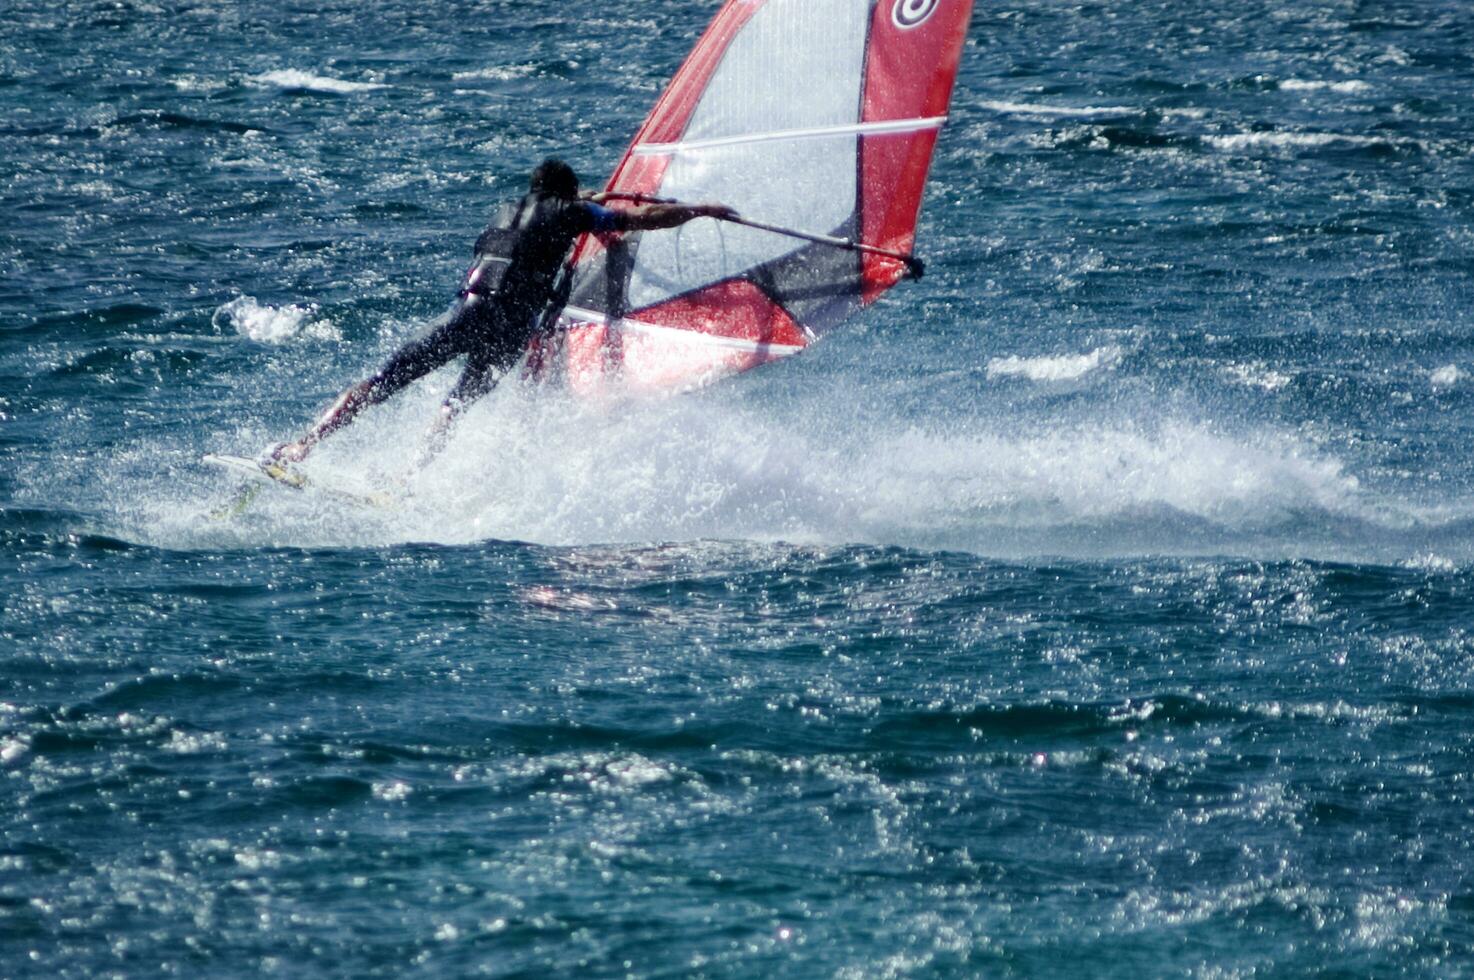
(282, 475)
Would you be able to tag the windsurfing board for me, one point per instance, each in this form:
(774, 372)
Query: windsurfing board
(281, 475)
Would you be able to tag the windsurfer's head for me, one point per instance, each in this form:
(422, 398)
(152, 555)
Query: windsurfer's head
(556, 178)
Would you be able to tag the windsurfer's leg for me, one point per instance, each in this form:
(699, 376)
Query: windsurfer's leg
(484, 367)
(412, 362)
(341, 412)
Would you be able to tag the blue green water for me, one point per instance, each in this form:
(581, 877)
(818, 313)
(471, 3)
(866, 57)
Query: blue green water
(1099, 605)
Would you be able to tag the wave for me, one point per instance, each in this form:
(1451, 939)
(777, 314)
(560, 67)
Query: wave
(1256, 375)
(273, 324)
(196, 83)
(1082, 112)
(1065, 367)
(295, 80)
(104, 320)
(1346, 87)
(497, 73)
(175, 120)
(1106, 135)
(1447, 376)
(1040, 723)
(1276, 140)
(542, 467)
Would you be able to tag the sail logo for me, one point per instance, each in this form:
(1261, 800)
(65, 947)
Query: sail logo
(907, 14)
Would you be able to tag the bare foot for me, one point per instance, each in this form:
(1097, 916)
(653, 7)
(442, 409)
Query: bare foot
(285, 452)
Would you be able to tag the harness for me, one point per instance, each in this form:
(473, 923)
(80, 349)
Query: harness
(494, 250)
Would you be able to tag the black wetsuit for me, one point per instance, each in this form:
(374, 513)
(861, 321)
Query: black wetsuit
(497, 315)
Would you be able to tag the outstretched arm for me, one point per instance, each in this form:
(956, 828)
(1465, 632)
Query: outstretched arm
(648, 217)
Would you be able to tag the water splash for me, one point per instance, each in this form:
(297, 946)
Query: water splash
(273, 324)
(543, 466)
(292, 78)
(1064, 367)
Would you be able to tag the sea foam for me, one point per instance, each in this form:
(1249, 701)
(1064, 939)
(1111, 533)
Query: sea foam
(291, 78)
(1080, 112)
(1447, 376)
(542, 466)
(272, 324)
(1064, 367)
(1234, 142)
(1347, 87)
(497, 73)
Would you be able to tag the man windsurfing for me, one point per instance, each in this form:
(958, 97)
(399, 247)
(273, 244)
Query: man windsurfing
(510, 289)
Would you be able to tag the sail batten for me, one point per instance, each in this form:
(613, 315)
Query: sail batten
(878, 127)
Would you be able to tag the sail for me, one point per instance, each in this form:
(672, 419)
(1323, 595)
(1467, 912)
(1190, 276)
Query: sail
(818, 115)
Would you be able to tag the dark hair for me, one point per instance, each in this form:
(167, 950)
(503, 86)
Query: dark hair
(555, 177)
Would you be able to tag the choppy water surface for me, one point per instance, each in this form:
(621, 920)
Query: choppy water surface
(1098, 605)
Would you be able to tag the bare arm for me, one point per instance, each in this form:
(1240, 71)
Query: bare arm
(648, 217)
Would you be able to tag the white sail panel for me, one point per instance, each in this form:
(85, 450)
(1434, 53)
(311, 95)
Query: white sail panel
(814, 179)
(797, 64)
(774, 136)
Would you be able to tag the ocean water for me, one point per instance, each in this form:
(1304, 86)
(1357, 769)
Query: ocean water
(1100, 605)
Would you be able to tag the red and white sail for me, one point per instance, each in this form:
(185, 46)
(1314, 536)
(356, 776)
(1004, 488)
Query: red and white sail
(819, 115)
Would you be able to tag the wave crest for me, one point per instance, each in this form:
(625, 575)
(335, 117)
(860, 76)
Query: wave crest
(1064, 367)
(291, 78)
(273, 324)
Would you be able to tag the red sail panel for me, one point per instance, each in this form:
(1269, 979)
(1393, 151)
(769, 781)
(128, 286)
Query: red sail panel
(915, 49)
(734, 309)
